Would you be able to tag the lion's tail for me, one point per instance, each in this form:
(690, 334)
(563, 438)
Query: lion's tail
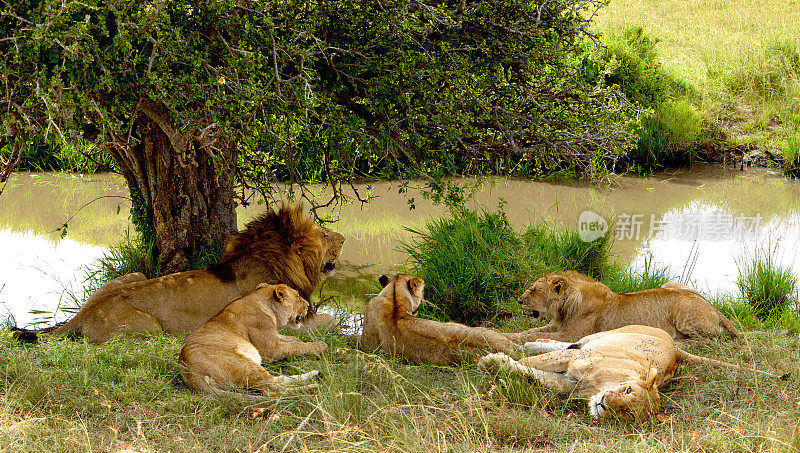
(697, 360)
(32, 335)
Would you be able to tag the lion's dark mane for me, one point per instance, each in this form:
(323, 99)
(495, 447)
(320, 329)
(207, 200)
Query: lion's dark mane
(284, 244)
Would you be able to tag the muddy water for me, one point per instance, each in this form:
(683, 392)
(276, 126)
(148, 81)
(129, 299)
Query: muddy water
(700, 223)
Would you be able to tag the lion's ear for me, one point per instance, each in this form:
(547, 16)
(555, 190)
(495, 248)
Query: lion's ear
(650, 379)
(559, 284)
(414, 284)
(279, 294)
(383, 280)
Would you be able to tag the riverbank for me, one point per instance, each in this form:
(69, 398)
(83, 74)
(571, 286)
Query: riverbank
(738, 62)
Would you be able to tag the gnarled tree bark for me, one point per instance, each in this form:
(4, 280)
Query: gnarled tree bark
(185, 180)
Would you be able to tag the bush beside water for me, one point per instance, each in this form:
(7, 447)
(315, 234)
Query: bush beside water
(791, 156)
(670, 129)
(768, 288)
(47, 154)
(475, 265)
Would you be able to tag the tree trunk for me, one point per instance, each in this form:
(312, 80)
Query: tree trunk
(186, 189)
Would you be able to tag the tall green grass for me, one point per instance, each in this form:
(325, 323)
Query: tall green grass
(134, 253)
(475, 265)
(130, 254)
(768, 288)
(46, 154)
(771, 71)
(625, 279)
(670, 135)
(791, 156)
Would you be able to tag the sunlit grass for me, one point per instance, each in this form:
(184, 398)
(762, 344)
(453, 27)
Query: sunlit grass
(63, 395)
(739, 56)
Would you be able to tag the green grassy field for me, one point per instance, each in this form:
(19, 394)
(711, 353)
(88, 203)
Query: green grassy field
(741, 57)
(63, 395)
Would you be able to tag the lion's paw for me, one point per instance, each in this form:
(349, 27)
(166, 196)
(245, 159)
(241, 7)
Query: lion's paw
(492, 360)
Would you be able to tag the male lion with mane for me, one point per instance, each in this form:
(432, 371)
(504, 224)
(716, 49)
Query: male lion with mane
(580, 306)
(390, 326)
(225, 353)
(619, 371)
(283, 246)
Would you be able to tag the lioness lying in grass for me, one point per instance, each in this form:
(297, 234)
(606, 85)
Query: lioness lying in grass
(619, 371)
(581, 306)
(390, 326)
(226, 352)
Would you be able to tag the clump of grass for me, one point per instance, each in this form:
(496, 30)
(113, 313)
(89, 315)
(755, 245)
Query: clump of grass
(669, 136)
(626, 280)
(475, 265)
(768, 288)
(133, 253)
(791, 156)
(130, 254)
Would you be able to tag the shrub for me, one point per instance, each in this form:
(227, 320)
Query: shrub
(767, 287)
(668, 136)
(475, 265)
(630, 61)
(670, 129)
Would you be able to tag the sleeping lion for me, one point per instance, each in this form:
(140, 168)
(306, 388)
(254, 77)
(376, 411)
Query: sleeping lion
(619, 372)
(226, 352)
(390, 326)
(580, 306)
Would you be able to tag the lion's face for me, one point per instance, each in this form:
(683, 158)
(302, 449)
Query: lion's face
(635, 398)
(538, 299)
(289, 306)
(332, 247)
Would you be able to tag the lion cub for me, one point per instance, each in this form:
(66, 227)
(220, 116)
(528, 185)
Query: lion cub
(391, 327)
(226, 352)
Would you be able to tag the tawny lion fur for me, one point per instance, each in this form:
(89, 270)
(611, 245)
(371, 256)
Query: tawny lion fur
(619, 371)
(391, 327)
(226, 352)
(282, 246)
(580, 306)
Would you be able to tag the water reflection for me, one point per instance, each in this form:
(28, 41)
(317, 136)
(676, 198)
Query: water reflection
(717, 243)
(42, 274)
